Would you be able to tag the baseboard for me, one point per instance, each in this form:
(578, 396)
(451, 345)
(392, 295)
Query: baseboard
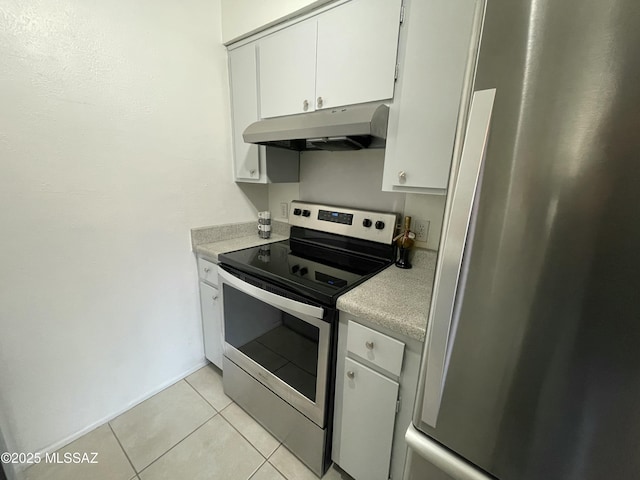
(67, 440)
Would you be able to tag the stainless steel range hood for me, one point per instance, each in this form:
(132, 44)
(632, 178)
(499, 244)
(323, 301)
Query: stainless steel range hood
(343, 128)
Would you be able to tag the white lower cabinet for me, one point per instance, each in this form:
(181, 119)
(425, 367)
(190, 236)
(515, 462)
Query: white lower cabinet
(212, 324)
(368, 417)
(369, 372)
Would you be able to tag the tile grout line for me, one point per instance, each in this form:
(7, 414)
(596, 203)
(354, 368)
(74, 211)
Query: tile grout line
(283, 474)
(188, 435)
(277, 470)
(231, 424)
(234, 427)
(267, 457)
(215, 412)
(257, 469)
(280, 444)
(123, 450)
(203, 397)
(242, 435)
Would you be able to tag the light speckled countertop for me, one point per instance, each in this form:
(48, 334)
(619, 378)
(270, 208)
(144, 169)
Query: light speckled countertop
(211, 250)
(395, 298)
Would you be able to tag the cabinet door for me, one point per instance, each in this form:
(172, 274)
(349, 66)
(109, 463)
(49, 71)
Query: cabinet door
(288, 70)
(211, 324)
(368, 417)
(243, 76)
(423, 118)
(357, 46)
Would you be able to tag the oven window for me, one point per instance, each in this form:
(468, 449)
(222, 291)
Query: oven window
(279, 342)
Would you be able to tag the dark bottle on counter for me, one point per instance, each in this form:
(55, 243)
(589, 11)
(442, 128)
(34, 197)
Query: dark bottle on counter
(405, 242)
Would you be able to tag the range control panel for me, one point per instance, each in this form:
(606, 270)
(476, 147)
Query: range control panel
(335, 216)
(364, 224)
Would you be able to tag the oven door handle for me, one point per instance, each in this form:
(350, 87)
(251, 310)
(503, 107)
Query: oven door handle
(270, 298)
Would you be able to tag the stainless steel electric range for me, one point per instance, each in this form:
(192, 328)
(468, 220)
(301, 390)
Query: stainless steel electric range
(280, 319)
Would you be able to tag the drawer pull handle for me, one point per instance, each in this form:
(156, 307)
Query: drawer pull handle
(369, 345)
(207, 269)
(351, 374)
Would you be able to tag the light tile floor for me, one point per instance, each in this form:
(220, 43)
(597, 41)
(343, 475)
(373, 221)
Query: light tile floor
(190, 431)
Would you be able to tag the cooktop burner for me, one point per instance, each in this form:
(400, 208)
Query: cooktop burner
(321, 280)
(330, 250)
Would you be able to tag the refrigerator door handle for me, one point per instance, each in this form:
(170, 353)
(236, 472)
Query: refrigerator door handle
(441, 458)
(449, 281)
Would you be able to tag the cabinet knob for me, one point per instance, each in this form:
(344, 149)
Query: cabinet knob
(207, 269)
(215, 297)
(369, 345)
(402, 175)
(319, 102)
(305, 105)
(252, 172)
(351, 374)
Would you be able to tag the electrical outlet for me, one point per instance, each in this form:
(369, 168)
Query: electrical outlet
(421, 229)
(284, 210)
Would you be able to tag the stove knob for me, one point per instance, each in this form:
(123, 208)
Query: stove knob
(306, 213)
(295, 268)
(379, 225)
(304, 271)
(366, 223)
(297, 211)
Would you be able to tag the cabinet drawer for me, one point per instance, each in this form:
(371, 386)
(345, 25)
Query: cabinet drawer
(383, 351)
(208, 271)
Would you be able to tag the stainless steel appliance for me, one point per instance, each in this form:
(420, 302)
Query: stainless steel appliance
(343, 128)
(280, 320)
(531, 368)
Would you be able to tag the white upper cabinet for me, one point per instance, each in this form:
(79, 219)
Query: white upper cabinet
(244, 106)
(288, 70)
(253, 163)
(343, 56)
(436, 52)
(356, 52)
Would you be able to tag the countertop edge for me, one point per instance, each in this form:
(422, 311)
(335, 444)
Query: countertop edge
(396, 299)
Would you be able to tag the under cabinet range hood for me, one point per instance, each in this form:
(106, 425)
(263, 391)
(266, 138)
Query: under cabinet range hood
(342, 128)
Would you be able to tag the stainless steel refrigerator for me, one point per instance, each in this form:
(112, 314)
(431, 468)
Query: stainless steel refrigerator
(531, 368)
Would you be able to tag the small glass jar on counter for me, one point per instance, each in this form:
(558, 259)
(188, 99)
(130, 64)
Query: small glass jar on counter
(264, 224)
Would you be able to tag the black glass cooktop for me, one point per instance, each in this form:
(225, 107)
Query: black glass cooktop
(320, 275)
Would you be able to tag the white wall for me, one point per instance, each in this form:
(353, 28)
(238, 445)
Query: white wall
(354, 179)
(279, 193)
(242, 17)
(430, 208)
(114, 142)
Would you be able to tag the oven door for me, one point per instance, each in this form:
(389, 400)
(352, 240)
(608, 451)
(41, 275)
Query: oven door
(281, 342)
